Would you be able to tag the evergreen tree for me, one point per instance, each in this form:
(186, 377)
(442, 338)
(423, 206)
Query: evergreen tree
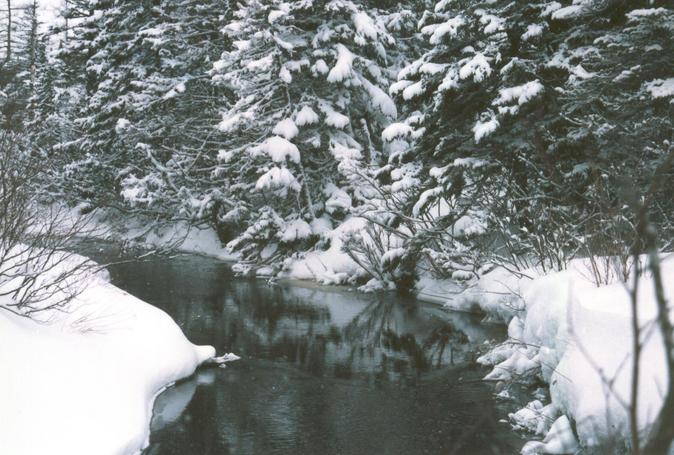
(310, 79)
(504, 147)
(23, 51)
(493, 130)
(147, 99)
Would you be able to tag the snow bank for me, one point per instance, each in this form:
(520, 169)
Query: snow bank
(331, 266)
(433, 290)
(84, 380)
(188, 239)
(104, 224)
(497, 294)
(576, 337)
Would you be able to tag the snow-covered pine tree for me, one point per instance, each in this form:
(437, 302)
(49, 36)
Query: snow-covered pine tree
(441, 168)
(149, 102)
(23, 50)
(614, 126)
(172, 126)
(492, 129)
(310, 79)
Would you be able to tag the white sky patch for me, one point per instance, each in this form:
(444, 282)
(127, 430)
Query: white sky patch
(48, 10)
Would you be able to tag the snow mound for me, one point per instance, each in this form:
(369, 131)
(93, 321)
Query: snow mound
(332, 266)
(85, 381)
(577, 337)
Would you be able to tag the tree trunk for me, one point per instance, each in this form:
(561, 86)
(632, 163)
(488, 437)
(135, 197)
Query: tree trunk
(8, 54)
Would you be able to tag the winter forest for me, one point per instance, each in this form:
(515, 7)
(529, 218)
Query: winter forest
(454, 219)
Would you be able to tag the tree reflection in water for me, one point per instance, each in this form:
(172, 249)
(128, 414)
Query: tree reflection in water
(322, 371)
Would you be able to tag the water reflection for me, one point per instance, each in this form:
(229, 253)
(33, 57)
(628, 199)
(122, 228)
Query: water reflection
(321, 371)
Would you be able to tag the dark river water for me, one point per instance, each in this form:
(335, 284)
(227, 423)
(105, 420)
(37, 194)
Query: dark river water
(322, 371)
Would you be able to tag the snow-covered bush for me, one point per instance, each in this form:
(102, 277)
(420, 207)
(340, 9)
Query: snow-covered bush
(381, 255)
(576, 337)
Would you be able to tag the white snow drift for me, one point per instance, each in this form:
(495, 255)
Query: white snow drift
(577, 337)
(83, 380)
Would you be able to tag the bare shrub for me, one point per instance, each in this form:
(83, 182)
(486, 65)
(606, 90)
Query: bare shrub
(37, 272)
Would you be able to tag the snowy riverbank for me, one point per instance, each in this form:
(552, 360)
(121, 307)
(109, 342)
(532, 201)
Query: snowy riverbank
(563, 330)
(577, 338)
(84, 379)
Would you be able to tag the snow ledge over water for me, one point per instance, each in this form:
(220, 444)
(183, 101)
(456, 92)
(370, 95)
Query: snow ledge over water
(84, 380)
